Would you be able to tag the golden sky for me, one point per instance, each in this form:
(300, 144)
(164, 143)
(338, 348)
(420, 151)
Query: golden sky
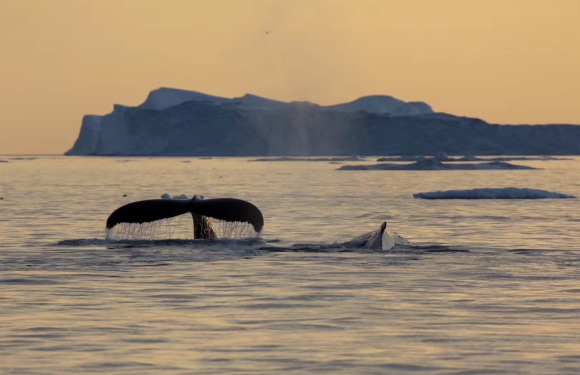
(506, 61)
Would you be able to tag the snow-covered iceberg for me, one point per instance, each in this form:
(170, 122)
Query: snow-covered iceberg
(180, 122)
(384, 104)
(492, 193)
(165, 97)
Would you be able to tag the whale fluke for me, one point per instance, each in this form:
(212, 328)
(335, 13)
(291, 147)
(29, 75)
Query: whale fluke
(148, 210)
(229, 209)
(226, 209)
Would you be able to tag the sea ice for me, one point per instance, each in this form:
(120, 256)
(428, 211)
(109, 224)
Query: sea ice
(168, 196)
(433, 164)
(492, 193)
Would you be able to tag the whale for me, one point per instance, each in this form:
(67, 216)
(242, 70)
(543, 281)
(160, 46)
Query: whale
(381, 239)
(226, 209)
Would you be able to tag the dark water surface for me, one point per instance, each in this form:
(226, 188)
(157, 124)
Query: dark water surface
(487, 287)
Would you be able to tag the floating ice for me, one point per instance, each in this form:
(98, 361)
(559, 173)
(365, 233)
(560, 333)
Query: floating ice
(180, 196)
(492, 193)
(468, 157)
(298, 158)
(433, 164)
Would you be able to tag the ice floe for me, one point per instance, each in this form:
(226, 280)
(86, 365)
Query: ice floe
(492, 193)
(433, 164)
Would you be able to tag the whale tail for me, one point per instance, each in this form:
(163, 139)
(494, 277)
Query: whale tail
(226, 209)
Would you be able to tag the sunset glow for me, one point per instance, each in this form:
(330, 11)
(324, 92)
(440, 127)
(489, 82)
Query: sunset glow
(509, 62)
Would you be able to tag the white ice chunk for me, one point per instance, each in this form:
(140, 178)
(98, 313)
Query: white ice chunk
(492, 193)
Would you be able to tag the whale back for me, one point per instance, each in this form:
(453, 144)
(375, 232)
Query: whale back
(382, 239)
(375, 238)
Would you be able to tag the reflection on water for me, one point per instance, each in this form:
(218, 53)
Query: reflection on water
(488, 287)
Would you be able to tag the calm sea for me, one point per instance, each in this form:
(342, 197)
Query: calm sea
(489, 287)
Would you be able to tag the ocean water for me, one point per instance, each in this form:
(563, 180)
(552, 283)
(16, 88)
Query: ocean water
(488, 287)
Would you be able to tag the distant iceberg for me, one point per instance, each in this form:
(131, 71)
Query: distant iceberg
(432, 165)
(469, 158)
(174, 122)
(384, 104)
(165, 97)
(297, 158)
(492, 193)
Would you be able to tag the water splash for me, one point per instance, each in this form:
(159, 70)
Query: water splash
(155, 230)
(233, 229)
(179, 227)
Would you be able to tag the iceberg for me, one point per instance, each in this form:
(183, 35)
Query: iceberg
(166, 97)
(175, 122)
(296, 158)
(433, 165)
(492, 193)
(384, 104)
(469, 158)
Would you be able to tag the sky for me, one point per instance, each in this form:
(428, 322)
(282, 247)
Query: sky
(505, 61)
